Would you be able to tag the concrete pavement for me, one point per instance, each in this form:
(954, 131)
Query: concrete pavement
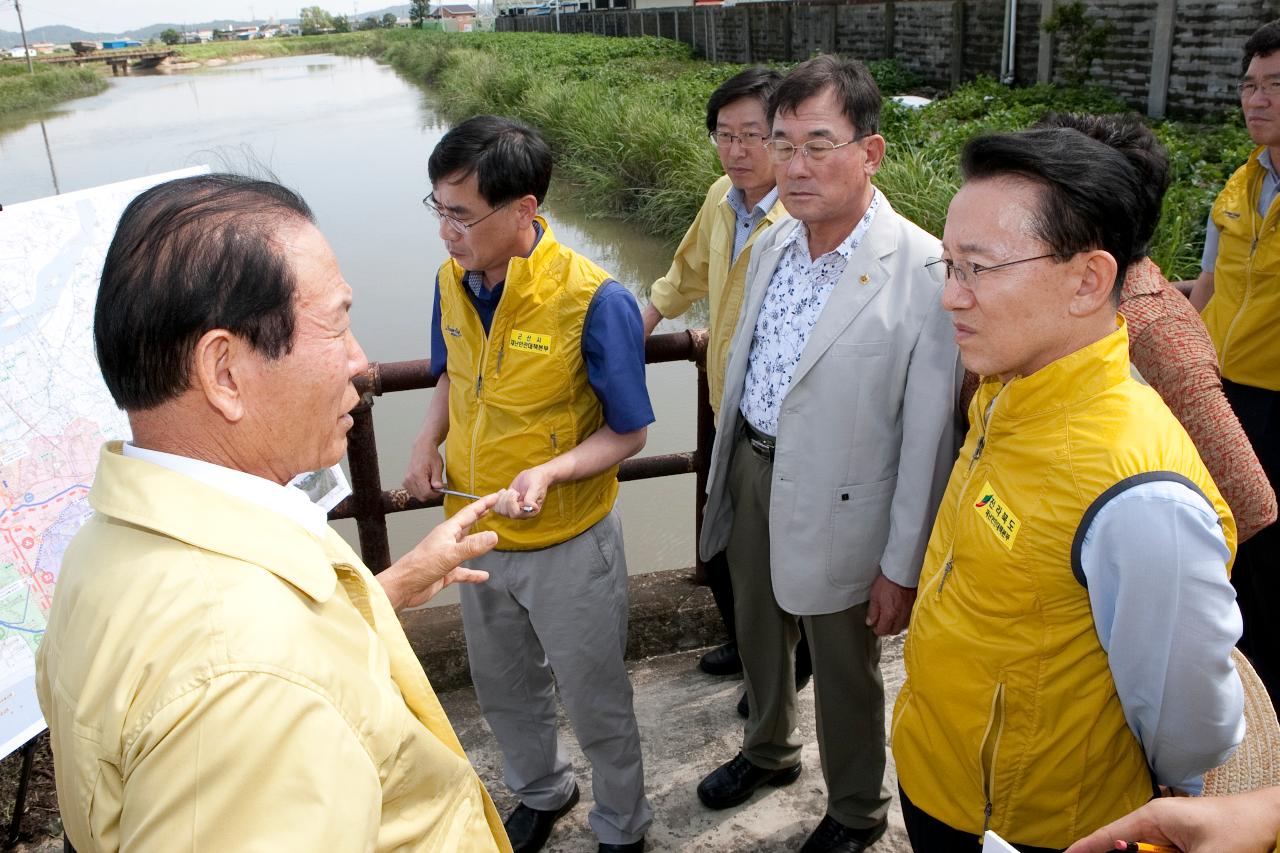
(688, 726)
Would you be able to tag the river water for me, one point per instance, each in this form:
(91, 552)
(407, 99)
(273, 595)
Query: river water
(353, 138)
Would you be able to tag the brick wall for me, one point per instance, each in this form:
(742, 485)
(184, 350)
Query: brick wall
(1205, 51)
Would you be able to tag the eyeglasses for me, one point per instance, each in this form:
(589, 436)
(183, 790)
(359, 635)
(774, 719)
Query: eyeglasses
(815, 150)
(1248, 88)
(748, 141)
(454, 223)
(964, 271)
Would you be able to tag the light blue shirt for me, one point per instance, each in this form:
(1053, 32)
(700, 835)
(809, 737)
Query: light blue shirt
(1270, 189)
(1155, 560)
(747, 219)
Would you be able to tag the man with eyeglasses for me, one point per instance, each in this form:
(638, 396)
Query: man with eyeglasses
(1238, 293)
(711, 263)
(539, 356)
(1071, 644)
(835, 436)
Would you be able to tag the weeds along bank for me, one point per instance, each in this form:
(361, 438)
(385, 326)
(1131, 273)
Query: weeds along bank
(344, 44)
(625, 118)
(49, 85)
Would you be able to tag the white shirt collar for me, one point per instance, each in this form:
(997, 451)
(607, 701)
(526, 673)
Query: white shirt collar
(288, 501)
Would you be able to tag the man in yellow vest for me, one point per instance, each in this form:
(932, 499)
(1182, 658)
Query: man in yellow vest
(711, 263)
(220, 671)
(541, 393)
(1238, 293)
(1070, 646)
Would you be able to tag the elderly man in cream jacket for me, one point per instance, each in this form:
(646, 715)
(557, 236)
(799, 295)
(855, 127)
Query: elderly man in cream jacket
(220, 672)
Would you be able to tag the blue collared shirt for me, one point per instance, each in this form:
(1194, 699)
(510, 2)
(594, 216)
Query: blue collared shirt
(747, 219)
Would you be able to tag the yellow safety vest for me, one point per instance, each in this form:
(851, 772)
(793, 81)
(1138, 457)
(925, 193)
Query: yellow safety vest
(519, 396)
(1009, 717)
(1244, 311)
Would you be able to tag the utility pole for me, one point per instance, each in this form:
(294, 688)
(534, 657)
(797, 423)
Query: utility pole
(26, 51)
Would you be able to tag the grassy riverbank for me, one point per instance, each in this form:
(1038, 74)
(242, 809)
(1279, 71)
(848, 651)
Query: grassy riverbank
(347, 44)
(21, 91)
(624, 116)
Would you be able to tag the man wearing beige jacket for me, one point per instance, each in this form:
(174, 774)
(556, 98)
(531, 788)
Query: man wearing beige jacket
(836, 435)
(220, 671)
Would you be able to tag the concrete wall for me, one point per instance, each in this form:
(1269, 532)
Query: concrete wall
(1181, 55)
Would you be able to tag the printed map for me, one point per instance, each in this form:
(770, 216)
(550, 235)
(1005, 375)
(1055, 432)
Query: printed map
(55, 413)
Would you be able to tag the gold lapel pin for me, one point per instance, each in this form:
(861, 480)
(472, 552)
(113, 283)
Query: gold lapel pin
(864, 279)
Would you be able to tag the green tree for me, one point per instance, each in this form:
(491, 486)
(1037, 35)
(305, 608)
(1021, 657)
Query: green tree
(369, 23)
(314, 20)
(418, 11)
(341, 24)
(171, 36)
(1083, 39)
(388, 21)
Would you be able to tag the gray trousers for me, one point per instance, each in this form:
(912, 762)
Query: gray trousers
(560, 610)
(848, 690)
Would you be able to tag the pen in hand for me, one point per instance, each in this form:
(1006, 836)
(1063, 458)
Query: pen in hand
(1143, 847)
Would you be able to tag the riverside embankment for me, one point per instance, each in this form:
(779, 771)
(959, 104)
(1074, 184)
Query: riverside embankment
(22, 91)
(625, 116)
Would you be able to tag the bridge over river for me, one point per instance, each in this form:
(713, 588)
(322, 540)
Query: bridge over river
(118, 59)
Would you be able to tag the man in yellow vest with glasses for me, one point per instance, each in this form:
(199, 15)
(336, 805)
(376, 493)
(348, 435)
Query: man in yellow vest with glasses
(541, 393)
(1069, 648)
(1238, 293)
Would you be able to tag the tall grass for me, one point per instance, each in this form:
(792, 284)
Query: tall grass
(625, 118)
(50, 84)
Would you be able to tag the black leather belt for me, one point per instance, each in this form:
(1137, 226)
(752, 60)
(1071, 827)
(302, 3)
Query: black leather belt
(762, 444)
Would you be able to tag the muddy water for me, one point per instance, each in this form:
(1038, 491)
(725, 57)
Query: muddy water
(353, 138)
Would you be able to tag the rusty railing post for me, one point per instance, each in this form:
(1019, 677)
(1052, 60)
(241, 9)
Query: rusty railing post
(366, 479)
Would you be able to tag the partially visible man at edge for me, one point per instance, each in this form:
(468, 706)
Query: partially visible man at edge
(711, 263)
(1070, 648)
(220, 670)
(1238, 293)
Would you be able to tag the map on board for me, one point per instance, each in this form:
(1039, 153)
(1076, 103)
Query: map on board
(55, 413)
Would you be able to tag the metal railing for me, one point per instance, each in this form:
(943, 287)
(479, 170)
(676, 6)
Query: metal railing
(369, 504)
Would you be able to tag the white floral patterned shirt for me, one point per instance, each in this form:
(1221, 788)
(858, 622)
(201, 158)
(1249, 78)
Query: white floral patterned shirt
(792, 304)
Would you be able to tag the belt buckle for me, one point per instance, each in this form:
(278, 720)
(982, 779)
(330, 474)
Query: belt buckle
(764, 448)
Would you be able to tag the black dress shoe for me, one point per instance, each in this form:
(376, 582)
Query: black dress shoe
(633, 847)
(744, 707)
(832, 836)
(528, 828)
(732, 783)
(722, 660)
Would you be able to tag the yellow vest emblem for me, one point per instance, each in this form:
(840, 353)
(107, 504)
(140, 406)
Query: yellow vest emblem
(998, 516)
(530, 342)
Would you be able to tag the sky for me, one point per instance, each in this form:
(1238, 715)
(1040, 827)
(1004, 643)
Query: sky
(117, 15)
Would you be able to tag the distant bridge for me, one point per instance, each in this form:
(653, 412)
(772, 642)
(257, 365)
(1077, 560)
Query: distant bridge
(118, 59)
